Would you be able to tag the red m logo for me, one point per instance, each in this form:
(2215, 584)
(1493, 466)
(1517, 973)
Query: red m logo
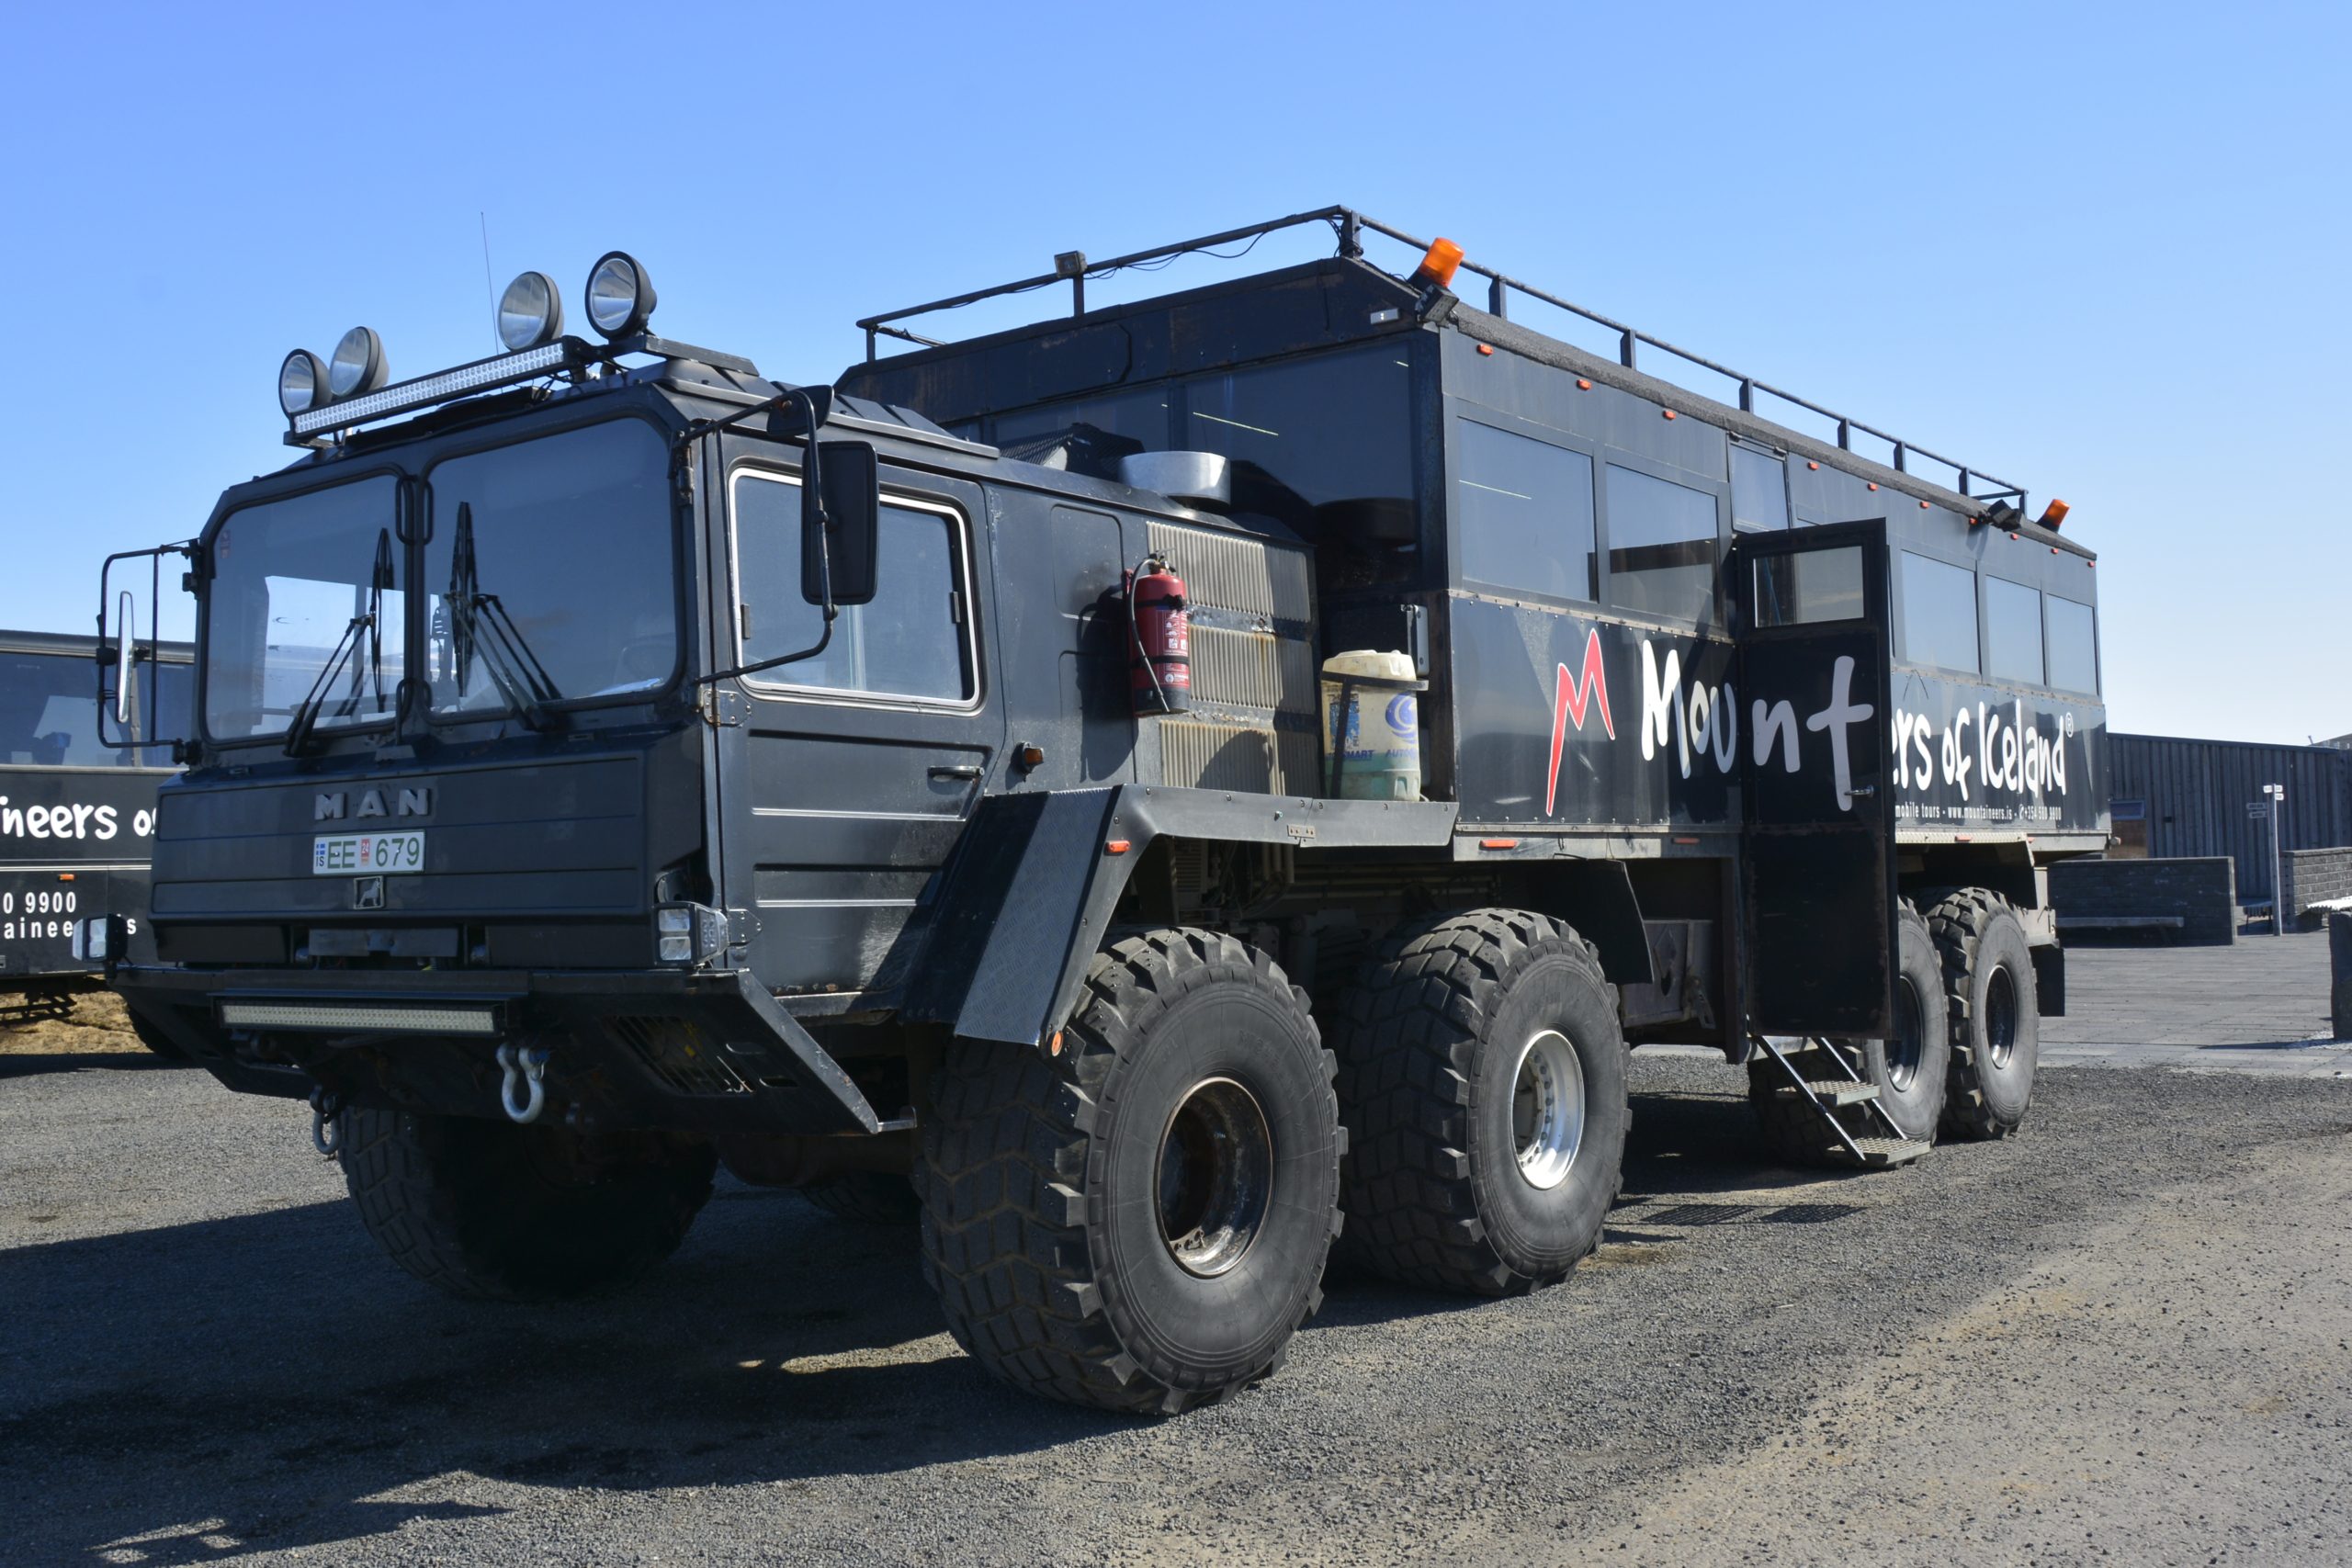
(1573, 698)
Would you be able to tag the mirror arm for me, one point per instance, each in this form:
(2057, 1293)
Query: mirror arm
(812, 486)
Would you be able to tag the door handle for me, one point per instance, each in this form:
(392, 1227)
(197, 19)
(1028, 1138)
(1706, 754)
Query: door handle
(954, 769)
(1858, 791)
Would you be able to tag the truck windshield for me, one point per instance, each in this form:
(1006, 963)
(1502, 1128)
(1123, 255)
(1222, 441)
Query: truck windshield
(549, 574)
(288, 578)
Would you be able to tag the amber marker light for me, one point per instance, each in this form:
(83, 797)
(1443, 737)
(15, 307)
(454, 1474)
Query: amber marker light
(1490, 843)
(1117, 847)
(1437, 266)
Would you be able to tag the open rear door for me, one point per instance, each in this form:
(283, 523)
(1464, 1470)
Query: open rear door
(1818, 843)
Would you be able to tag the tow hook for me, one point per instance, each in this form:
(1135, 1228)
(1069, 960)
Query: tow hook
(326, 1129)
(525, 1070)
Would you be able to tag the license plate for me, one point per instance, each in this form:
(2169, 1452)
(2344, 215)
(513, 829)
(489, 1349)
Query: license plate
(367, 854)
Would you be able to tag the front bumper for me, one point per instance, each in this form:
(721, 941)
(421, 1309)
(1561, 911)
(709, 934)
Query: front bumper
(700, 1051)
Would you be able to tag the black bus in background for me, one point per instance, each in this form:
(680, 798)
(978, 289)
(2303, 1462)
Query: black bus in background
(78, 817)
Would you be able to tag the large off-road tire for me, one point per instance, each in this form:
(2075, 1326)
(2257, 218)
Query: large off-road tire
(1482, 1080)
(1138, 1220)
(1910, 1068)
(869, 1197)
(1994, 1012)
(495, 1212)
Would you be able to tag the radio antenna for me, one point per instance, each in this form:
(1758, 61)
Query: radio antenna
(489, 287)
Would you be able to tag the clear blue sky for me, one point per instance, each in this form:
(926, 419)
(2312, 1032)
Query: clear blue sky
(2100, 249)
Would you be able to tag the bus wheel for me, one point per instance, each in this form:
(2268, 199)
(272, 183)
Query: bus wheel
(494, 1211)
(1909, 1067)
(1136, 1214)
(1482, 1078)
(1996, 1015)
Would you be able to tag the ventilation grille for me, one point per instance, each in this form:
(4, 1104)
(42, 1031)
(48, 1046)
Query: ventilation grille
(1254, 670)
(1205, 755)
(675, 1052)
(1221, 572)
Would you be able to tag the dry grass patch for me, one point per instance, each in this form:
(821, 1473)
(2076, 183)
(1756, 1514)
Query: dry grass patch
(97, 1023)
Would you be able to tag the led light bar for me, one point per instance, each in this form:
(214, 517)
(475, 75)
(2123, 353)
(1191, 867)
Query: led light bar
(344, 1018)
(500, 371)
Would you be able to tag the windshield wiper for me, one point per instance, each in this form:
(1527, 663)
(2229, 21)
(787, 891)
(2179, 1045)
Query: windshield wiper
(303, 724)
(480, 624)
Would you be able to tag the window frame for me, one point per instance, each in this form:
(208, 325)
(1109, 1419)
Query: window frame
(419, 546)
(1902, 616)
(1543, 435)
(408, 507)
(768, 471)
(2098, 672)
(1780, 461)
(1985, 582)
(1718, 627)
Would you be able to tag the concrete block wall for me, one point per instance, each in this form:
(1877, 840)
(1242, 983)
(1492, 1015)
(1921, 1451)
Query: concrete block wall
(2203, 892)
(2316, 876)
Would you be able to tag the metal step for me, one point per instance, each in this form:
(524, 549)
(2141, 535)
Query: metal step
(1834, 1091)
(1879, 1153)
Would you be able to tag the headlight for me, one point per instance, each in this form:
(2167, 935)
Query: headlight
(358, 364)
(301, 383)
(620, 295)
(530, 313)
(688, 933)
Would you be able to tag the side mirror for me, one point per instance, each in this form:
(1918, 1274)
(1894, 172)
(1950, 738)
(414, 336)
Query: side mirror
(125, 653)
(842, 534)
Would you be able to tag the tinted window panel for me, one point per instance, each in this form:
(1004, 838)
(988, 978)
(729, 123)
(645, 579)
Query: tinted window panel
(2012, 631)
(1662, 547)
(2073, 645)
(1938, 614)
(1812, 586)
(48, 713)
(907, 643)
(1523, 511)
(1760, 489)
(1328, 430)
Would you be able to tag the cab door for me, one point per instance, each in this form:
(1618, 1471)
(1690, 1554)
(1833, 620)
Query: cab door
(843, 778)
(1817, 833)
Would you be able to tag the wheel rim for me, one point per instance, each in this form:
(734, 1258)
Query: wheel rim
(1216, 1168)
(2000, 1017)
(1908, 1043)
(1547, 1109)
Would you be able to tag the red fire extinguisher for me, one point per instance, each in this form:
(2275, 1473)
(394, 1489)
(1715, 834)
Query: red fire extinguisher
(1159, 652)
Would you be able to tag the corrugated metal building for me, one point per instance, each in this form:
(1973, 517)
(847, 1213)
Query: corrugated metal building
(2192, 795)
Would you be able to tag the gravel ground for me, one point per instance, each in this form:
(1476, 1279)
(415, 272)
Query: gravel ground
(2118, 1338)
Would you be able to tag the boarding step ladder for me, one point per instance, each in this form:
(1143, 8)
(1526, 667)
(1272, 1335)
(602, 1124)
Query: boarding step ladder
(1856, 1127)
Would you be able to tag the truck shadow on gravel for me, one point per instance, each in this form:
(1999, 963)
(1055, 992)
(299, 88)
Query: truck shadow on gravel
(168, 1391)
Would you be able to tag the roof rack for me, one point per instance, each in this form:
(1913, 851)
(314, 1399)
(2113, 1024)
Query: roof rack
(1073, 267)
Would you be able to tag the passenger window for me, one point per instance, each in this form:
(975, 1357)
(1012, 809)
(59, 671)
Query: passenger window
(2012, 631)
(1938, 614)
(1810, 586)
(1338, 427)
(908, 643)
(1760, 489)
(1523, 511)
(2073, 645)
(1663, 546)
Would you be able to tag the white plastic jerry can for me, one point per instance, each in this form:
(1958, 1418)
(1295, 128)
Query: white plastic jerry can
(1371, 726)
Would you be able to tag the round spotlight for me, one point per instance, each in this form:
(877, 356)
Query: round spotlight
(301, 383)
(620, 295)
(358, 364)
(530, 313)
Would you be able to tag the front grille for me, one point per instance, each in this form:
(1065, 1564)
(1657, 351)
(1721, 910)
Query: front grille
(678, 1053)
